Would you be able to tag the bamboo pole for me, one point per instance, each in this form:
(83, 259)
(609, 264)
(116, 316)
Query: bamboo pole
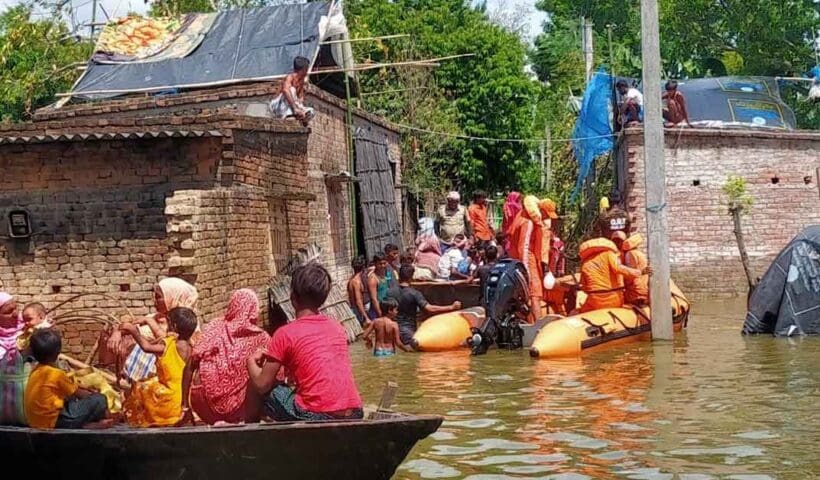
(431, 62)
(365, 39)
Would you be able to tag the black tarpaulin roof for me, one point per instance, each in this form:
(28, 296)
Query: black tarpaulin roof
(787, 299)
(240, 46)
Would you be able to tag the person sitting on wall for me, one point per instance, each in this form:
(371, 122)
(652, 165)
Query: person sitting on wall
(632, 105)
(313, 351)
(675, 111)
(290, 102)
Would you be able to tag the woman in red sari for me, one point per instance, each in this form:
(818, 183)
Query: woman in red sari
(216, 375)
(512, 207)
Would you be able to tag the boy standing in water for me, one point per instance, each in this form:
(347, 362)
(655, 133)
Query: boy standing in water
(386, 331)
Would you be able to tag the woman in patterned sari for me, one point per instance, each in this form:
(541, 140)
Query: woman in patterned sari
(216, 375)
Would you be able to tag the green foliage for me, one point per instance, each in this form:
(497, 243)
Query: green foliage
(37, 60)
(487, 95)
(737, 195)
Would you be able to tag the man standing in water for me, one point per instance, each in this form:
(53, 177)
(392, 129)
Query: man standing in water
(410, 302)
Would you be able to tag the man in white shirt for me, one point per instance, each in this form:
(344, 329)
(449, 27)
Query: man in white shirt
(632, 104)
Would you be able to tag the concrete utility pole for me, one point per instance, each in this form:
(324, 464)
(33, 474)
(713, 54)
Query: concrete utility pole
(589, 57)
(655, 174)
(93, 18)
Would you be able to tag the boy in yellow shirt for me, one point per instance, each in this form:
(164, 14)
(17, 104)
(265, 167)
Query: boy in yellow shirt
(52, 399)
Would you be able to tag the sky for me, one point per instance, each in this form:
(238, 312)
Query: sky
(534, 19)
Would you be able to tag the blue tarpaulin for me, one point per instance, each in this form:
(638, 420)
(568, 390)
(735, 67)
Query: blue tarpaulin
(592, 136)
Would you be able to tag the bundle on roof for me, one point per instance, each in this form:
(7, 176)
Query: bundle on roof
(136, 54)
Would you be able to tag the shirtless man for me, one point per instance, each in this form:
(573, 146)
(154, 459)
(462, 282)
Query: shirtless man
(386, 331)
(675, 110)
(357, 294)
(291, 100)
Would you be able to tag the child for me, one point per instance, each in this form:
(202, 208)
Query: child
(157, 401)
(501, 243)
(386, 331)
(36, 317)
(313, 351)
(53, 400)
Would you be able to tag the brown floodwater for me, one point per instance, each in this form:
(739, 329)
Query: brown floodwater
(710, 404)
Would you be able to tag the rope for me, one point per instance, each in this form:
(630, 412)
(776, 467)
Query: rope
(489, 139)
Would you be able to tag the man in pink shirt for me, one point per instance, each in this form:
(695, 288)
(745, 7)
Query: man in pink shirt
(313, 351)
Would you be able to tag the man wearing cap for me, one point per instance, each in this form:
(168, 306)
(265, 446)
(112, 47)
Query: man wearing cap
(452, 220)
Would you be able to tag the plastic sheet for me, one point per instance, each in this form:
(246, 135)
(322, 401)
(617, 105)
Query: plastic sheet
(787, 300)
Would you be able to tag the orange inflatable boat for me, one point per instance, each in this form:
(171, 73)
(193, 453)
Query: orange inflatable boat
(578, 334)
(448, 331)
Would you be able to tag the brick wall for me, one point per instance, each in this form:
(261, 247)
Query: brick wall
(98, 213)
(703, 250)
(220, 241)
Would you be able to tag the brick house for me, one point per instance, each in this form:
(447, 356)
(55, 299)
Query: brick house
(201, 185)
(782, 171)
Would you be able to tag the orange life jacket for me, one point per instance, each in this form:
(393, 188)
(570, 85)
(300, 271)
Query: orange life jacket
(636, 290)
(600, 279)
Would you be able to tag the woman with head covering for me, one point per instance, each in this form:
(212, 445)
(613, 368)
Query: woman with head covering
(168, 294)
(428, 253)
(13, 374)
(11, 324)
(219, 359)
(512, 206)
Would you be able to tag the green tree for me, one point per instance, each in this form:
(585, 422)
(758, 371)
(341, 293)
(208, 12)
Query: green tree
(487, 95)
(37, 60)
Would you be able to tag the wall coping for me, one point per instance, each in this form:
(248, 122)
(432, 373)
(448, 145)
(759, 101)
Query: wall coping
(193, 97)
(767, 134)
(219, 123)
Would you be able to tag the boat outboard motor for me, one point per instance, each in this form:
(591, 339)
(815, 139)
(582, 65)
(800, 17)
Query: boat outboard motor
(504, 299)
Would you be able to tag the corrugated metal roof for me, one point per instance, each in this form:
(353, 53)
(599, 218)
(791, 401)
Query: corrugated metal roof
(17, 138)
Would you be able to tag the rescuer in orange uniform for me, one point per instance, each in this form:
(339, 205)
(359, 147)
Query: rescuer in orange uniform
(530, 244)
(602, 274)
(636, 291)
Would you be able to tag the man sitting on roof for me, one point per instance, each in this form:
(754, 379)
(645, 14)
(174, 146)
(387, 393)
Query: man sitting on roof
(291, 99)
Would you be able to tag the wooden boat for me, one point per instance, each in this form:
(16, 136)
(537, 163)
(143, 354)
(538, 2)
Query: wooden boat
(354, 449)
(445, 293)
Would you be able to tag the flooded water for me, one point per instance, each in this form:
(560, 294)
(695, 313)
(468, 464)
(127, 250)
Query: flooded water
(711, 404)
